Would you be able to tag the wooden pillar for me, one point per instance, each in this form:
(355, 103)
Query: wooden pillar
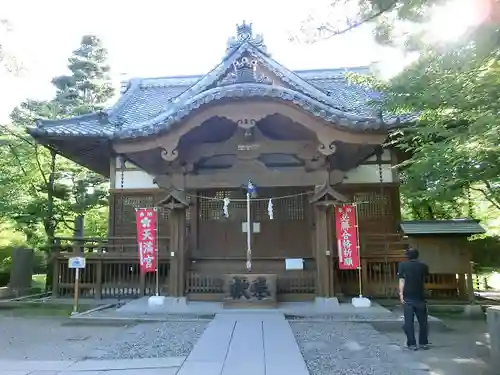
(174, 254)
(470, 283)
(177, 221)
(193, 222)
(98, 280)
(55, 278)
(325, 280)
(142, 284)
(364, 277)
(462, 286)
(181, 259)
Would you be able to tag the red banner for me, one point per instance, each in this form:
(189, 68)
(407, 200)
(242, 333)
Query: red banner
(347, 237)
(145, 219)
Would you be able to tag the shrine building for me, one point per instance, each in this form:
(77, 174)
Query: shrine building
(306, 139)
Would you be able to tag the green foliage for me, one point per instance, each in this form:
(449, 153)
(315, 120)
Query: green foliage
(89, 86)
(451, 165)
(38, 208)
(455, 145)
(486, 252)
(391, 20)
(8, 60)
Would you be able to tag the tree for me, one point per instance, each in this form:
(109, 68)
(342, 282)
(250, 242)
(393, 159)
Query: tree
(40, 207)
(453, 148)
(400, 23)
(8, 61)
(455, 145)
(88, 87)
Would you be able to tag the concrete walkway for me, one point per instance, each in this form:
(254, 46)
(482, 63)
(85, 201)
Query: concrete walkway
(233, 343)
(246, 344)
(149, 366)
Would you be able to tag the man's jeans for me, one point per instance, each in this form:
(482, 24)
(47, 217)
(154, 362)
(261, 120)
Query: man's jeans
(418, 308)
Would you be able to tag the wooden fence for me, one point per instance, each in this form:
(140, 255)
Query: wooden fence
(111, 271)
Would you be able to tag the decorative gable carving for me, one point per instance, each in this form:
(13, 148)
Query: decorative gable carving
(245, 69)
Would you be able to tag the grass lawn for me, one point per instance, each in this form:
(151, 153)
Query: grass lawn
(38, 283)
(41, 309)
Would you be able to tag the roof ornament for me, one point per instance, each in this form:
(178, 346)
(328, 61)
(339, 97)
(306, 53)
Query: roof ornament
(245, 70)
(244, 33)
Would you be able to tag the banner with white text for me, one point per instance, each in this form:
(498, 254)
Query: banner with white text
(347, 237)
(146, 238)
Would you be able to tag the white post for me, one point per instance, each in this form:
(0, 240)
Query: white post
(157, 254)
(77, 291)
(249, 235)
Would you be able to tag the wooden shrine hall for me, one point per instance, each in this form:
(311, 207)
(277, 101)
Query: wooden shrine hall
(307, 139)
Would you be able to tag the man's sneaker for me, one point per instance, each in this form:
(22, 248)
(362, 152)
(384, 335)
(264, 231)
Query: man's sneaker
(424, 347)
(413, 348)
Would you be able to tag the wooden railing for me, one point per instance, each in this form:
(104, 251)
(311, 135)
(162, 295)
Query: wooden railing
(300, 282)
(109, 245)
(112, 268)
(197, 282)
(297, 282)
(390, 245)
(112, 271)
(380, 280)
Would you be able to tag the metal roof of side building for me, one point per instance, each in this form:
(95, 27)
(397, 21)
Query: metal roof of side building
(463, 227)
(149, 106)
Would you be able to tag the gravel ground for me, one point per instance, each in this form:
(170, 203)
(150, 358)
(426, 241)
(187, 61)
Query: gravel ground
(47, 339)
(462, 350)
(347, 317)
(153, 340)
(351, 349)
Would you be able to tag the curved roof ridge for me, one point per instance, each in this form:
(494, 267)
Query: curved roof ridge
(182, 109)
(321, 73)
(124, 98)
(208, 79)
(47, 123)
(293, 79)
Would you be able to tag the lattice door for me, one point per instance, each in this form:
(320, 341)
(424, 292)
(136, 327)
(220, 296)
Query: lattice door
(219, 236)
(287, 235)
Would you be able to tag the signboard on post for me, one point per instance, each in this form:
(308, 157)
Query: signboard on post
(76, 263)
(347, 237)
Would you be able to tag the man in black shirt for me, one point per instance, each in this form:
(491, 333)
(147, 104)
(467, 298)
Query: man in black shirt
(412, 274)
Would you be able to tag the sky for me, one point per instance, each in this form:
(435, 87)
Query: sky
(163, 38)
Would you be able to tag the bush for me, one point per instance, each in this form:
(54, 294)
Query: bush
(4, 278)
(39, 263)
(486, 252)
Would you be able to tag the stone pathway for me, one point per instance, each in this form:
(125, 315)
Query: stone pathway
(246, 344)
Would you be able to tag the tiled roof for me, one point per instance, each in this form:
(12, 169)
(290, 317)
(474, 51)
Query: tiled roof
(436, 227)
(151, 105)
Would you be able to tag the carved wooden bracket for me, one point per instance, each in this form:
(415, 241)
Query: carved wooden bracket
(246, 114)
(169, 154)
(327, 148)
(246, 123)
